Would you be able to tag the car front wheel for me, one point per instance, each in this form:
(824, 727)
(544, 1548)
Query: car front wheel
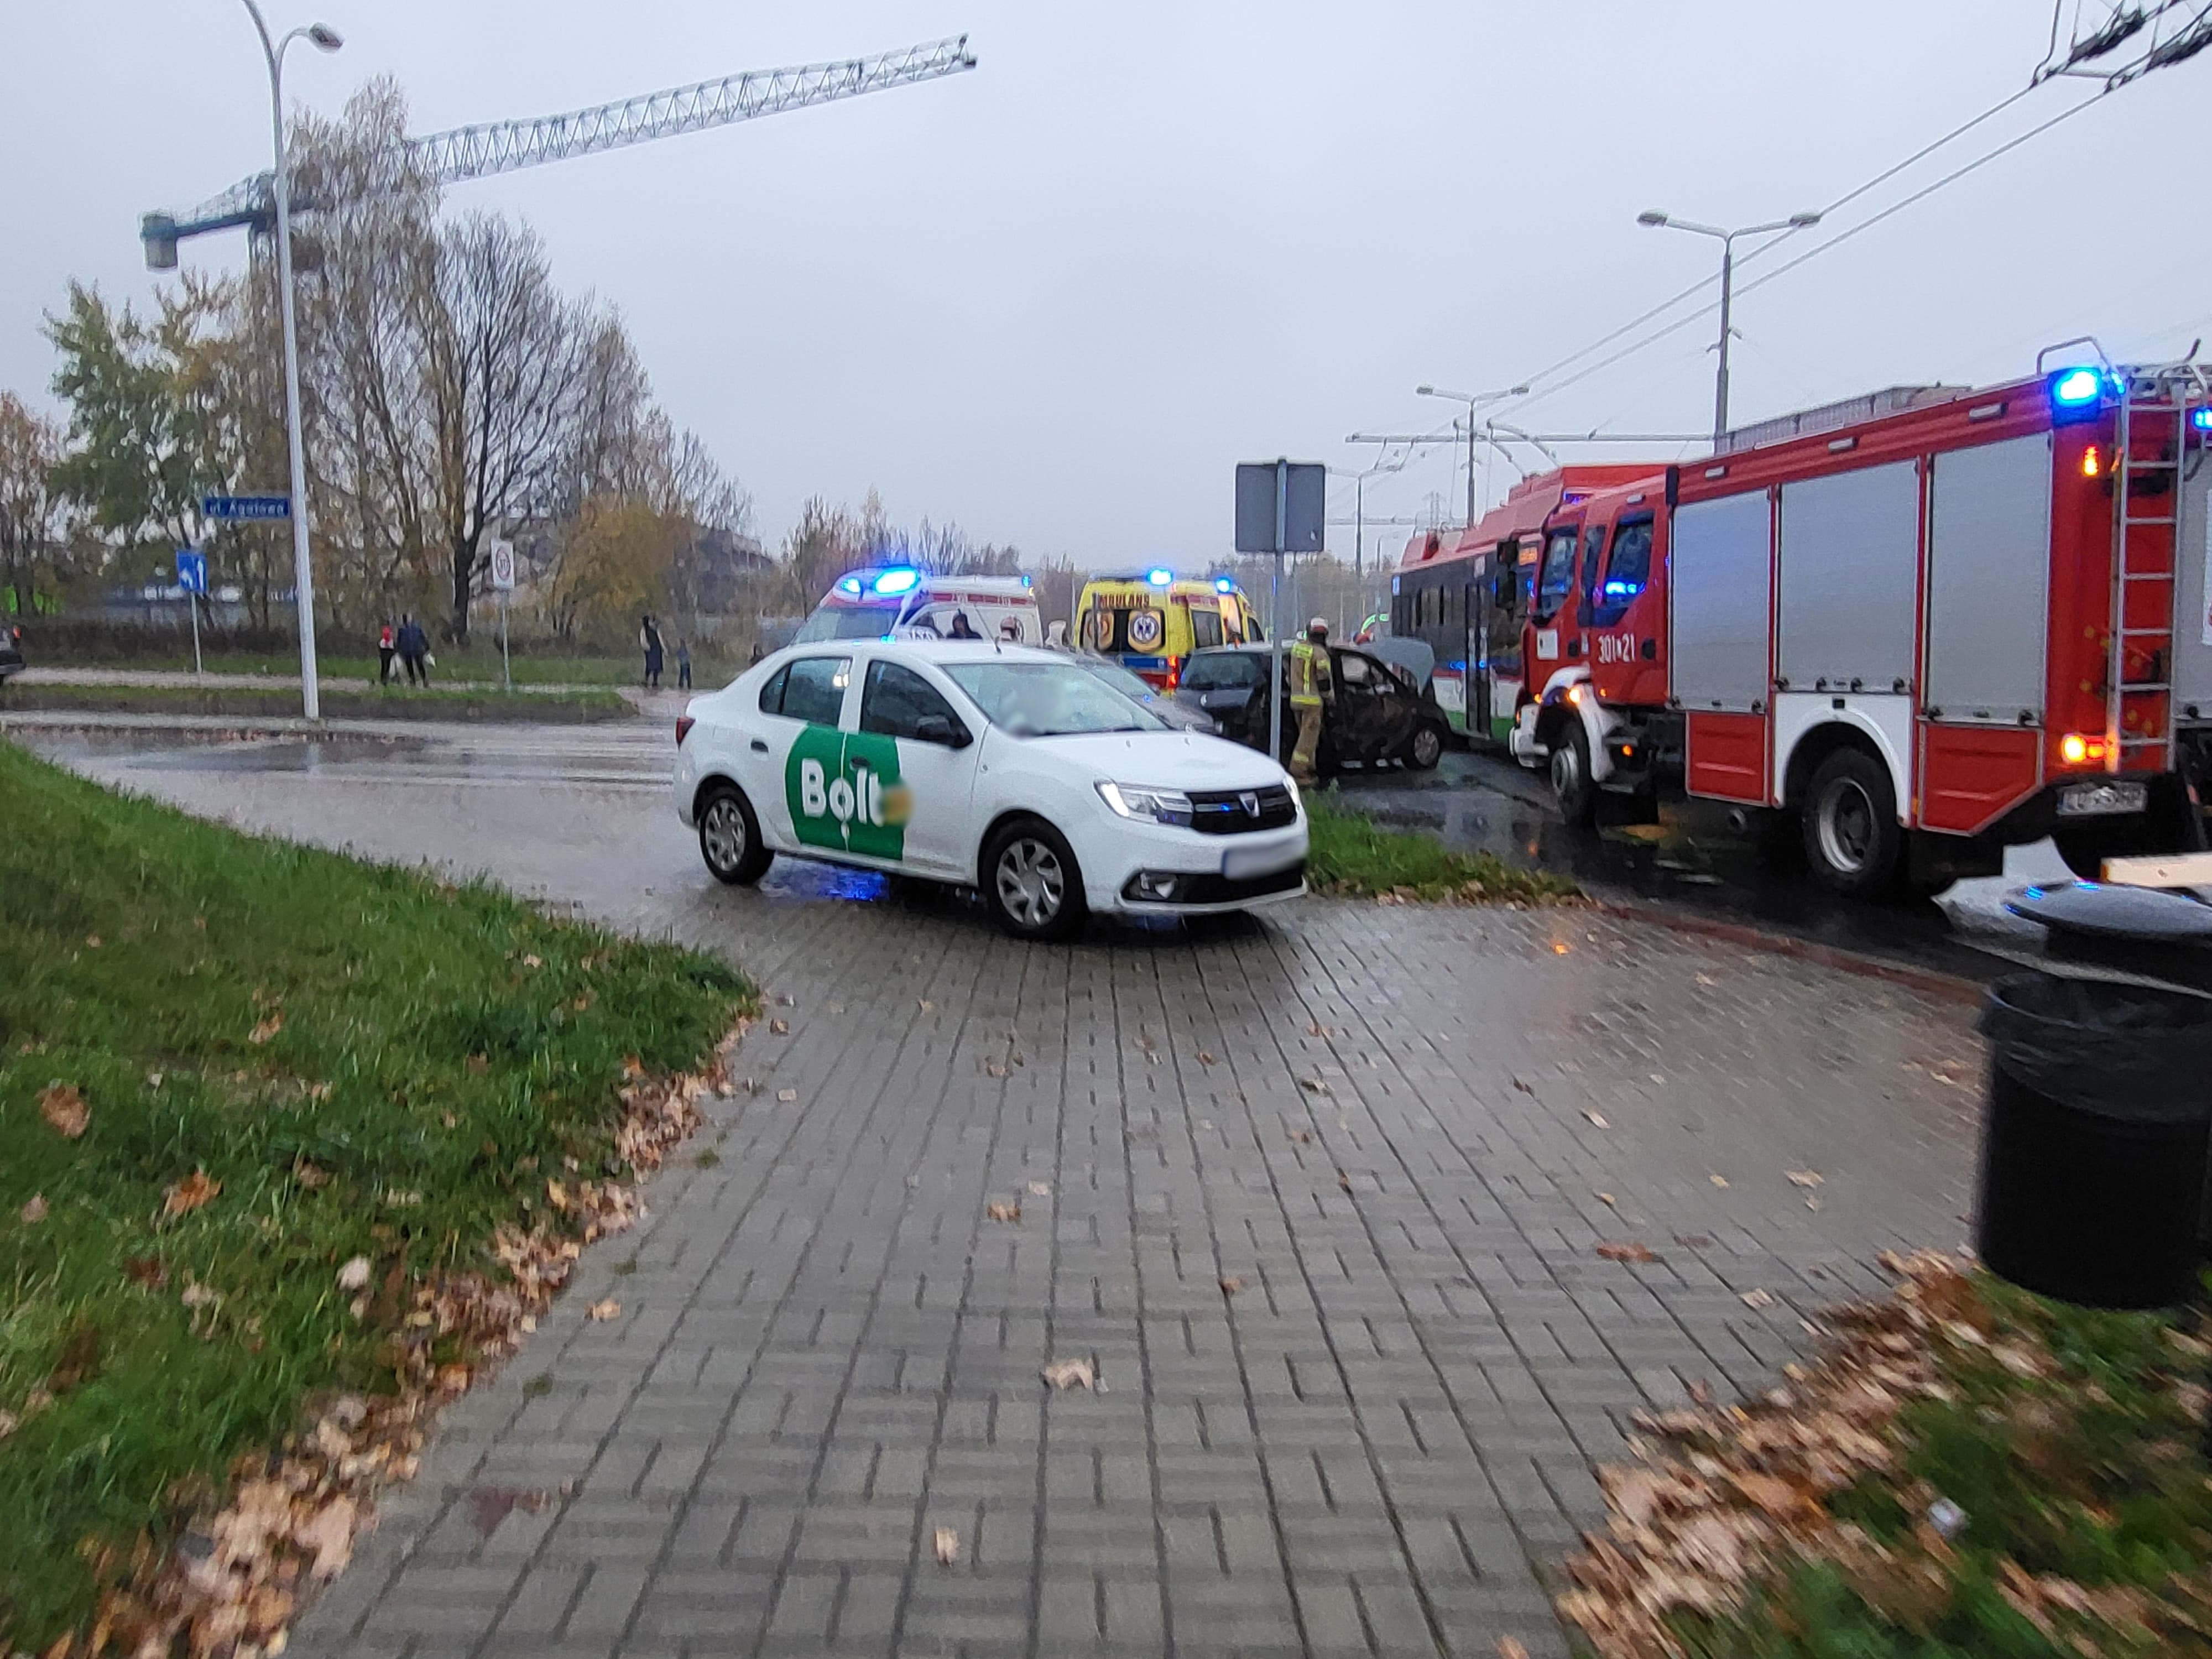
(1426, 749)
(1031, 882)
(730, 838)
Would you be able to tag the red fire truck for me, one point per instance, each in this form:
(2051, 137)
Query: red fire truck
(1908, 631)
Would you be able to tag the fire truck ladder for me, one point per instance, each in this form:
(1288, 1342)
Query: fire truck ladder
(2153, 409)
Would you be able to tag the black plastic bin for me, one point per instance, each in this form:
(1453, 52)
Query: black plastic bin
(2094, 1142)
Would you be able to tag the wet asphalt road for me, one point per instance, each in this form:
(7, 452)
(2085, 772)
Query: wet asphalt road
(1690, 865)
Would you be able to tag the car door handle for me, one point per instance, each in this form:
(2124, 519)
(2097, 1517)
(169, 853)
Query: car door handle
(759, 748)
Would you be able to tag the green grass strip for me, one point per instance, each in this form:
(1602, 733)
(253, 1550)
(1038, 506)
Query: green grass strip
(1350, 855)
(368, 1061)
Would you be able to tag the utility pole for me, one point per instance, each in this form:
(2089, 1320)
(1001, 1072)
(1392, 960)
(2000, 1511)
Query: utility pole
(1659, 221)
(1473, 400)
(324, 39)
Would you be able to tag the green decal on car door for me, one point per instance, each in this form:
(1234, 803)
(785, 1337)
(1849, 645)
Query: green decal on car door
(845, 794)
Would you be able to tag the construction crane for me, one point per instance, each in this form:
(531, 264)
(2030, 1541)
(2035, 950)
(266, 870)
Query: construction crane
(495, 147)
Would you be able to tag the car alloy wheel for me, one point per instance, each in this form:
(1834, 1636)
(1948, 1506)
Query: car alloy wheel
(1032, 884)
(1428, 748)
(722, 836)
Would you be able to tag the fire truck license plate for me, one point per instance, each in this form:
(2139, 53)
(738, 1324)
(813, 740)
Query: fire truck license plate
(2085, 800)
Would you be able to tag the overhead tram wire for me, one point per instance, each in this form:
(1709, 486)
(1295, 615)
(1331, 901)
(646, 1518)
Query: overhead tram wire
(2112, 84)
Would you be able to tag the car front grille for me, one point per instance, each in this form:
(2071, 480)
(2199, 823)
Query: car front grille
(1240, 811)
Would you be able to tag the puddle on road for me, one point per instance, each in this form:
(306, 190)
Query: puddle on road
(1690, 860)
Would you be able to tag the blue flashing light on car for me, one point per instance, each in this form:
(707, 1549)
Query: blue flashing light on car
(2074, 388)
(897, 581)
(2200, 419)
(1160, 575)
(850, 585)
(1223, 585)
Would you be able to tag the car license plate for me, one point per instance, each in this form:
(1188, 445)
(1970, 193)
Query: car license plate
(2088, 800)
(1244, 863)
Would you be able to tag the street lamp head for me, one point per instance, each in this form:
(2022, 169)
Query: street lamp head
(1651, 217)
(1803, 220)
(1425, 391)
(1521, 391)
(326, 38)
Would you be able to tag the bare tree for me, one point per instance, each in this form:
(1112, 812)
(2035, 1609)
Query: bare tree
(32, 530)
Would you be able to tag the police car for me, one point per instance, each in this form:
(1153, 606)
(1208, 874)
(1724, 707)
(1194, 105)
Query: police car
(1007, 768)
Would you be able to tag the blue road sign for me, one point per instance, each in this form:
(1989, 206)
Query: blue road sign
(191, 570)
(232, 509)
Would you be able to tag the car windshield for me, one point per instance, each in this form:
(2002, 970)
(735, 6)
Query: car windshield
(1048, 699)
(849, 621)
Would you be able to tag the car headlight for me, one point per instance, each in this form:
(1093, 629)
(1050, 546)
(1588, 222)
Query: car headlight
(1135, 801)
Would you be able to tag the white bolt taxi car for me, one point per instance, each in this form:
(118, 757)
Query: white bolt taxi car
(1004, 767)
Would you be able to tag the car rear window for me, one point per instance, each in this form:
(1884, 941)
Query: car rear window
(1228, 670)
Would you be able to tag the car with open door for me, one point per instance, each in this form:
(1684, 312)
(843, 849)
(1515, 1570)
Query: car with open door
(1378, 718)
(1011, 770)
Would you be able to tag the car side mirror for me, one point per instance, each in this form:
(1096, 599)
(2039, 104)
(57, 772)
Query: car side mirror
(941, 729)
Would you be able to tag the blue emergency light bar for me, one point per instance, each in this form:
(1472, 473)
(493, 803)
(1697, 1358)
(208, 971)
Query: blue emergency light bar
(1223, 585)
(2073, 387)
(2200, 419)
(1160, 575)
(897, 581)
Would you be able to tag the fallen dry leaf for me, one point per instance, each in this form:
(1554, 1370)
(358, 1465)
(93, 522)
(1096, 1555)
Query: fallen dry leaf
(1316, 1028)
(328, 1532)
(787, 1096)
(1002, 1212)
(532, 962)
(64, 1110)
(1628, 1250)
(91, 941)
(188, 1194)
(1606, 1198)
(992, 1068)
(926, 1005)
(354, 1276)
(149, 1271)
(1596, 1119)
(309, 1177)
(1231, 1284)
(1313, 1086)
(1522, 1087)
(557, 1195)
(1508, 1647)
(779, 1028)
(1039, 1189)
(1071, 1374)
(34, 1212)
(1343, 1180)
(7, 1423)
(267, 1029)
(1803, 1177)
(601, 1312)
(1304, 1137)
(1759, 1298)
(948, 1546)
(1205, 1058)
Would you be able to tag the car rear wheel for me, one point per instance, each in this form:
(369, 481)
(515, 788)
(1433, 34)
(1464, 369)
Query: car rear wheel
(1426, 749)
(1031, 882)
(1852, 839)
(730, 838)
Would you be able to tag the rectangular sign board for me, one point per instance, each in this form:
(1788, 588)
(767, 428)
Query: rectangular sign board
(191, 570)
(1300, 489)
(244, 509)
(502, 559)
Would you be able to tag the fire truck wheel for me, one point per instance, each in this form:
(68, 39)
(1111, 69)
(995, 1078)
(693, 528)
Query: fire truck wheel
(1572, 785)
(1852, 840)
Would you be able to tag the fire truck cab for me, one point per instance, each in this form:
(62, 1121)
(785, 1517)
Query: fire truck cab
(1916, 628)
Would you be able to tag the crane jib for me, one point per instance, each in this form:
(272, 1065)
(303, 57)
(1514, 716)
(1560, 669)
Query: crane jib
(495, 147)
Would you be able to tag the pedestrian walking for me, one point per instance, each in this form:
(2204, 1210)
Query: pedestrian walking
(1312, 686)
(414, 650)
(648, 640)
(683, 664)
(387, 647)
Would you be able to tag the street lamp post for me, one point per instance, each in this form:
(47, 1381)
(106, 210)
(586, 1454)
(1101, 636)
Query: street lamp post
(324, 39)
(1656, 220)
(1473, 400)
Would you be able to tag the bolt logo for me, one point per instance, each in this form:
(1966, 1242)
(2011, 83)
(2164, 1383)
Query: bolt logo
(844, 793)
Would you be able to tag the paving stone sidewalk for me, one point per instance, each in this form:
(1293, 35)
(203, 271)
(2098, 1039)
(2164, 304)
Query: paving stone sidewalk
(1319, 1198)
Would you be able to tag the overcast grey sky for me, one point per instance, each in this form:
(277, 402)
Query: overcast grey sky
(1056, 299)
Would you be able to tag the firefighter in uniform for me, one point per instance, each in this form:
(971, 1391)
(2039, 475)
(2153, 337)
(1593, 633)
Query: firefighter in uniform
(1312, 686)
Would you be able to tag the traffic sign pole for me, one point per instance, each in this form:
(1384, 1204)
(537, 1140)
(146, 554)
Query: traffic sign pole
(191, 576)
